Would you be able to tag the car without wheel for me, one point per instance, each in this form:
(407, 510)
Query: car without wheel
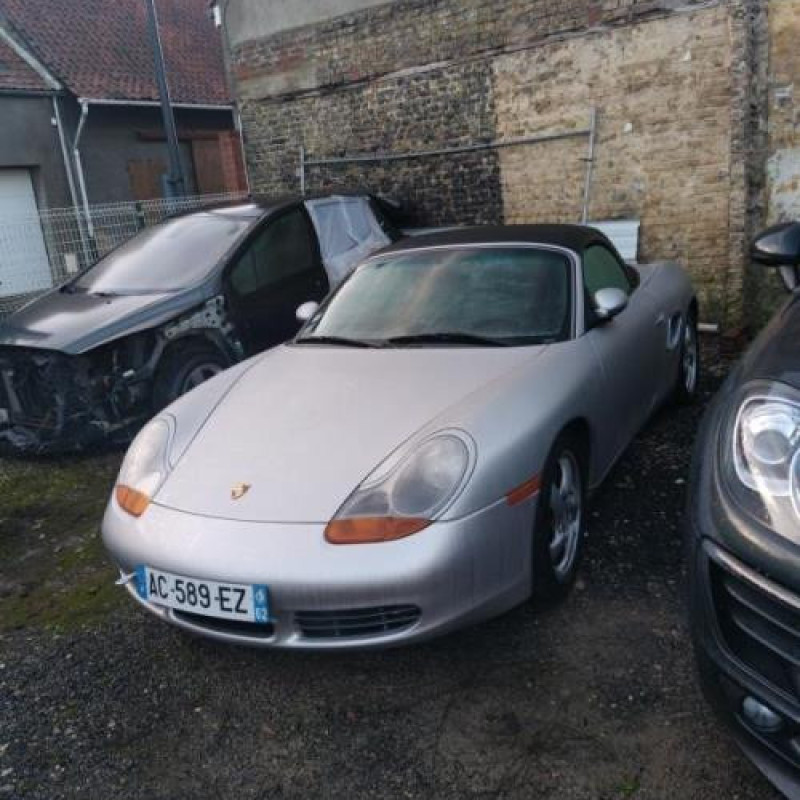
(743, 534)
(91, 360)
(418, 458)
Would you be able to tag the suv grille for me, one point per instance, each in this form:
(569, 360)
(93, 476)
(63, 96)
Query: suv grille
(354, 622)
(762, 629)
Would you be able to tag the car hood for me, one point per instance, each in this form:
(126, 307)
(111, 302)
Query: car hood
(774, 355)
(304, 426)
(75, 323)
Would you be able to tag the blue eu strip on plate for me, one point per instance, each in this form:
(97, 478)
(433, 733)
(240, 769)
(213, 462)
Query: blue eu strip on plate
(141, 582)
(260, 603)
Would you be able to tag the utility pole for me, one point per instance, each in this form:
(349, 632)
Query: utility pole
(175, 186)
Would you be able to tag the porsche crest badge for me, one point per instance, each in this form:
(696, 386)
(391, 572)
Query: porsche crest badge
(239, 491)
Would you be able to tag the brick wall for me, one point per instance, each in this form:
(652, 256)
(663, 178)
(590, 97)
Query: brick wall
(406, 113)
(675, 86)
(783, 169)
(662, 90)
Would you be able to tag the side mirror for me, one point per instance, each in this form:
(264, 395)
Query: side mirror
(779, 246)
(306, 311)
(608, 303)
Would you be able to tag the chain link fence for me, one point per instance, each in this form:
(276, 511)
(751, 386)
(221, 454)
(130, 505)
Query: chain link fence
(39, 251)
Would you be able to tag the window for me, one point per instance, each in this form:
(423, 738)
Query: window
(602, 270)
(283, 250)
(518, 296)
(176, 254)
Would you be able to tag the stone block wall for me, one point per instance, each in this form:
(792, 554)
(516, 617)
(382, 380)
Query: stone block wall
(662, 93)
(399, 114)
(675, 84)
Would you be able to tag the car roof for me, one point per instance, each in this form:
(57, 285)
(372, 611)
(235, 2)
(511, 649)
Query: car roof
(259, 206)
(572, 237)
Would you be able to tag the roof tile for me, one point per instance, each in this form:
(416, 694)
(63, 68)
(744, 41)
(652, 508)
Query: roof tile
(100, 48)
(15, 73)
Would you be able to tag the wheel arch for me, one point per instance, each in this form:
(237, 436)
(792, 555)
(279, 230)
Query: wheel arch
(580, 428)
(207, 339)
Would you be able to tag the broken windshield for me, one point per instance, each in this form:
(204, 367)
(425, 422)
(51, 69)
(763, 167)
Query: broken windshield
(176, 254)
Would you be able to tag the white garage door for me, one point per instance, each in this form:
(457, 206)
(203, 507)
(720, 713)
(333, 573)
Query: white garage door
(24, 266)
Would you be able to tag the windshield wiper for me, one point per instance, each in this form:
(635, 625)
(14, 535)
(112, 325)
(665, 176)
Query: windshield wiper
(447, 337)
(335, 340)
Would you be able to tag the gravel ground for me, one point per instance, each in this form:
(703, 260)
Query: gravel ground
(595, 698)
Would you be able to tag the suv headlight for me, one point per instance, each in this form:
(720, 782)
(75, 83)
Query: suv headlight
(145, 467)
(761, 456)
(403, 497)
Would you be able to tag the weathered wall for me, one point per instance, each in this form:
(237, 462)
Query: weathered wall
(112, 138)
(675, 85)
(398, 114)
(783, 169)
(662, 90)
(257, 20)
(28, 139)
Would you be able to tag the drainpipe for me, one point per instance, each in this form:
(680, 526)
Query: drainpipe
(70, 176)
(76, 154)
(62, 139)
(237, 123)
(587, 185)
(175, 184)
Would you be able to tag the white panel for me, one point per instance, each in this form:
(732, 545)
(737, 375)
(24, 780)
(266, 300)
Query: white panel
(348, 232)
(255, 19)
(624, 235)
(24, 266)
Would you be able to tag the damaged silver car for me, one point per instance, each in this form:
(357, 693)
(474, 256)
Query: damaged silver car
(91, 360)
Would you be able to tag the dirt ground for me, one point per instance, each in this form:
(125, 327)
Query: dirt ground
(595, 698)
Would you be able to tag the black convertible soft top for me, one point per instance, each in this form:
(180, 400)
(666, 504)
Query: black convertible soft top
(572, 237)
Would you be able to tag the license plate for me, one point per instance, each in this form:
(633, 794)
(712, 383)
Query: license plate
(238, 601)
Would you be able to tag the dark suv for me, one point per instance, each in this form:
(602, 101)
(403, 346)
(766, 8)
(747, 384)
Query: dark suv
(744, 536)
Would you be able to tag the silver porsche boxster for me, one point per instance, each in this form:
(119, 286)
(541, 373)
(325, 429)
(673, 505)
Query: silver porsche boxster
(418, 458)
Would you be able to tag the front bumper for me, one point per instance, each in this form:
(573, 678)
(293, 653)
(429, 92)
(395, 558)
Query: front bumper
(325, 596)
(744, 600)
(53, 403)
(746, 632)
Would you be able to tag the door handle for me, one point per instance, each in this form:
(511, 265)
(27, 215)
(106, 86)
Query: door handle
(660, 319)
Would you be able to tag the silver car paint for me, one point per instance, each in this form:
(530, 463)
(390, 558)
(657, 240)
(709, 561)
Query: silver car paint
(458, 572)
(332, 415)
(345, 411)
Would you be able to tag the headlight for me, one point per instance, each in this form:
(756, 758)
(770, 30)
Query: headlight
(761, 456)
(145, 467)
(402, 498)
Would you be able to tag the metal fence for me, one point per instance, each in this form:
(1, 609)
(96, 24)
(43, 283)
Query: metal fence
(39, 251)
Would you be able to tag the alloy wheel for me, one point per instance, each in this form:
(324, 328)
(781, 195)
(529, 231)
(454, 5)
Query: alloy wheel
(566, 511)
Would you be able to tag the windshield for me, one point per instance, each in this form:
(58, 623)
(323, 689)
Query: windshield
(173, 255)
(469, 296)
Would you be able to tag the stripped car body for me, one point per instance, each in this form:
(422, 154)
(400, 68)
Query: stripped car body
(91, 360)
(418, 457)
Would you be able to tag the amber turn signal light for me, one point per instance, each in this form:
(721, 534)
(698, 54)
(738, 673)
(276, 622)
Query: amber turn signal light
(524, 490)
(135, 503)
(363, 530)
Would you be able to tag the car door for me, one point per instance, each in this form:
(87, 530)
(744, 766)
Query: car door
(625, 346)
(277, 270)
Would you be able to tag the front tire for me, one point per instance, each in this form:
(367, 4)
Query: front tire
(560, 525)
(689, 366)
(183, 370)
